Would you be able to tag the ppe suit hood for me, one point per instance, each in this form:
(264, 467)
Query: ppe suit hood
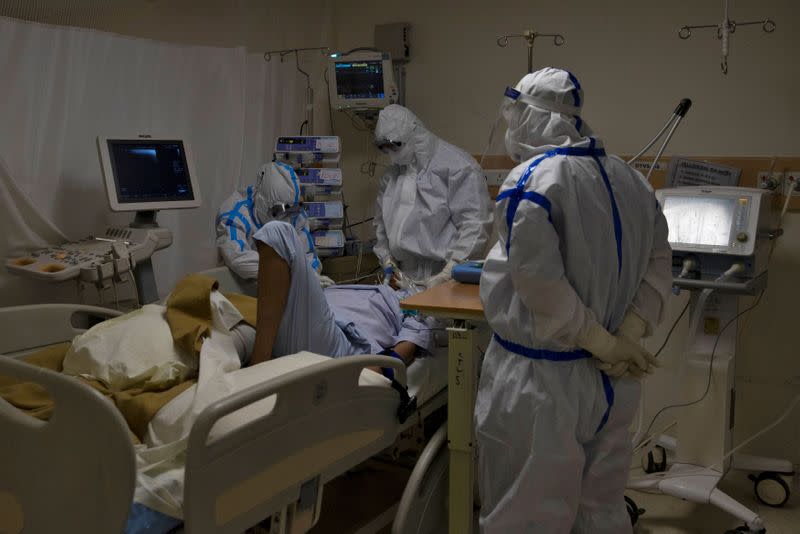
(533, 130)
(277, 184)
(396, 123)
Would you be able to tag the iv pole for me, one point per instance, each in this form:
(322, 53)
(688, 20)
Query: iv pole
(324, 50)
(724, 32)
(530, 36)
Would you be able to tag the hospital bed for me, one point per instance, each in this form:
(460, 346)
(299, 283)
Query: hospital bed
(282, 440)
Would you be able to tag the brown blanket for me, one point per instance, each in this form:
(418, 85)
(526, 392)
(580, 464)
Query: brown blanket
(189, 318)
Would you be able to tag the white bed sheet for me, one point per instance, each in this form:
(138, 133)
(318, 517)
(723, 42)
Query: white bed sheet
(162, 456)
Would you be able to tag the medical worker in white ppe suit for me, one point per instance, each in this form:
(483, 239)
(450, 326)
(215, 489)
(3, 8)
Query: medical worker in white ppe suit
(275, 195)
(580, 272)
(432, 209)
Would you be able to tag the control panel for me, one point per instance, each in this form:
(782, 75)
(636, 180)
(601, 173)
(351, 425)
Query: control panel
(328, 144)
(92, 259)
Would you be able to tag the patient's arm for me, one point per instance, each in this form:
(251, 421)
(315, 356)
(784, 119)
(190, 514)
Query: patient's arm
(407, 351)
(273, 290)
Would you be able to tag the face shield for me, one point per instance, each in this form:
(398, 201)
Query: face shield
(513, 106)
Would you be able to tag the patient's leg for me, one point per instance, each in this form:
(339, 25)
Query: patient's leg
(293, 314)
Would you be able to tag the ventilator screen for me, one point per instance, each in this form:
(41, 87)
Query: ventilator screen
(359, 79)
(699, 220)
(150, 171)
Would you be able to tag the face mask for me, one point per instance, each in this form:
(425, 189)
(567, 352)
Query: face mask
(403, 155)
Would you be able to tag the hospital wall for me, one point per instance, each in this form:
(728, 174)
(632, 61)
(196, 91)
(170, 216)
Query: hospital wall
(634, 70)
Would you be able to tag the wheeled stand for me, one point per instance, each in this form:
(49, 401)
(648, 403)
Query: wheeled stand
(704, 432)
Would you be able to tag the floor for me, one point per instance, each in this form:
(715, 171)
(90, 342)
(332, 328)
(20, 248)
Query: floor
(668, 515)
(352, 502)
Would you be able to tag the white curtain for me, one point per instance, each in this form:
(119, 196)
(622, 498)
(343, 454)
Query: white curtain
(62, 87)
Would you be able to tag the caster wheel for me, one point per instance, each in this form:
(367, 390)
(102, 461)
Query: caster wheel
(771, 489)
(633, 510)
(655, 460)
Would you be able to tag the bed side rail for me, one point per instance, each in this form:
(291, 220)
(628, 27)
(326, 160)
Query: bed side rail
(38, 325)
(323, 423)
(73, 473)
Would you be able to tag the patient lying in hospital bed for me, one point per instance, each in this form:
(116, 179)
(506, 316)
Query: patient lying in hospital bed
(137, 353)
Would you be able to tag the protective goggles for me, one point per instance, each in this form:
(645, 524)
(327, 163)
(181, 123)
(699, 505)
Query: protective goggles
(386, 145)
(281, 209)
(512, 96)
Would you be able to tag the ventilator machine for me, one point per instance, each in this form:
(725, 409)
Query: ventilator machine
(721, 239)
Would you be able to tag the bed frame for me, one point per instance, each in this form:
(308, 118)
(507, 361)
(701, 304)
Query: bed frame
(323, 423)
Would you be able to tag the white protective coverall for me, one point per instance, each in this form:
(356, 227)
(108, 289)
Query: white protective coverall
(581, 242)
(432, 209)
(244, 212)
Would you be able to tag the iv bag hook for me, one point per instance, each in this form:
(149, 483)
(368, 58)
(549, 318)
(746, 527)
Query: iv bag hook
(530, 36)
(309, 121)
(724, 31)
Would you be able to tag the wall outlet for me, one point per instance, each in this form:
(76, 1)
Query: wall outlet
(775, 183)
(495, 177)
(793, 181)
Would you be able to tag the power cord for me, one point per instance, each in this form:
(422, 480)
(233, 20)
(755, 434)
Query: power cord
(671, 330)
(710, 370)
(330, 106)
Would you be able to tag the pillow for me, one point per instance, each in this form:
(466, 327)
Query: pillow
(133, 350)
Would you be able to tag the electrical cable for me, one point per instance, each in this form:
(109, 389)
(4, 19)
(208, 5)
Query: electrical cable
(710, 369)
(360, 257)
(330, 106)
(374, 272)
(135, 288)
(360, 127)
(362, 221)
(702, 471)
(671, 330)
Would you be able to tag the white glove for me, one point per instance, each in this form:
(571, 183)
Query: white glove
(326, 281)
(616, 349)
(634, 328)
(442, 277)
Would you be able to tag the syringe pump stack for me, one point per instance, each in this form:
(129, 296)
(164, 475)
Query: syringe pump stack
(315, 160)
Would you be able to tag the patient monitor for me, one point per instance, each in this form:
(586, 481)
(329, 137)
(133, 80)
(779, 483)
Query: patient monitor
(362, 80)
(142, 174)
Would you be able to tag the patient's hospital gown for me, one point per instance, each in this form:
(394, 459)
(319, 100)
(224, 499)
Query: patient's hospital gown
(340, 320)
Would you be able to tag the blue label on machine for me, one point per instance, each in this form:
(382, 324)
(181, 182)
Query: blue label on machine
(328, 177)
(325, 144)
(328, 238)
(324, 210)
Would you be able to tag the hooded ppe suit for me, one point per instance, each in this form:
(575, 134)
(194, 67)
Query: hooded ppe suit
(582, 244)
(274, 196)
(433, 206)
